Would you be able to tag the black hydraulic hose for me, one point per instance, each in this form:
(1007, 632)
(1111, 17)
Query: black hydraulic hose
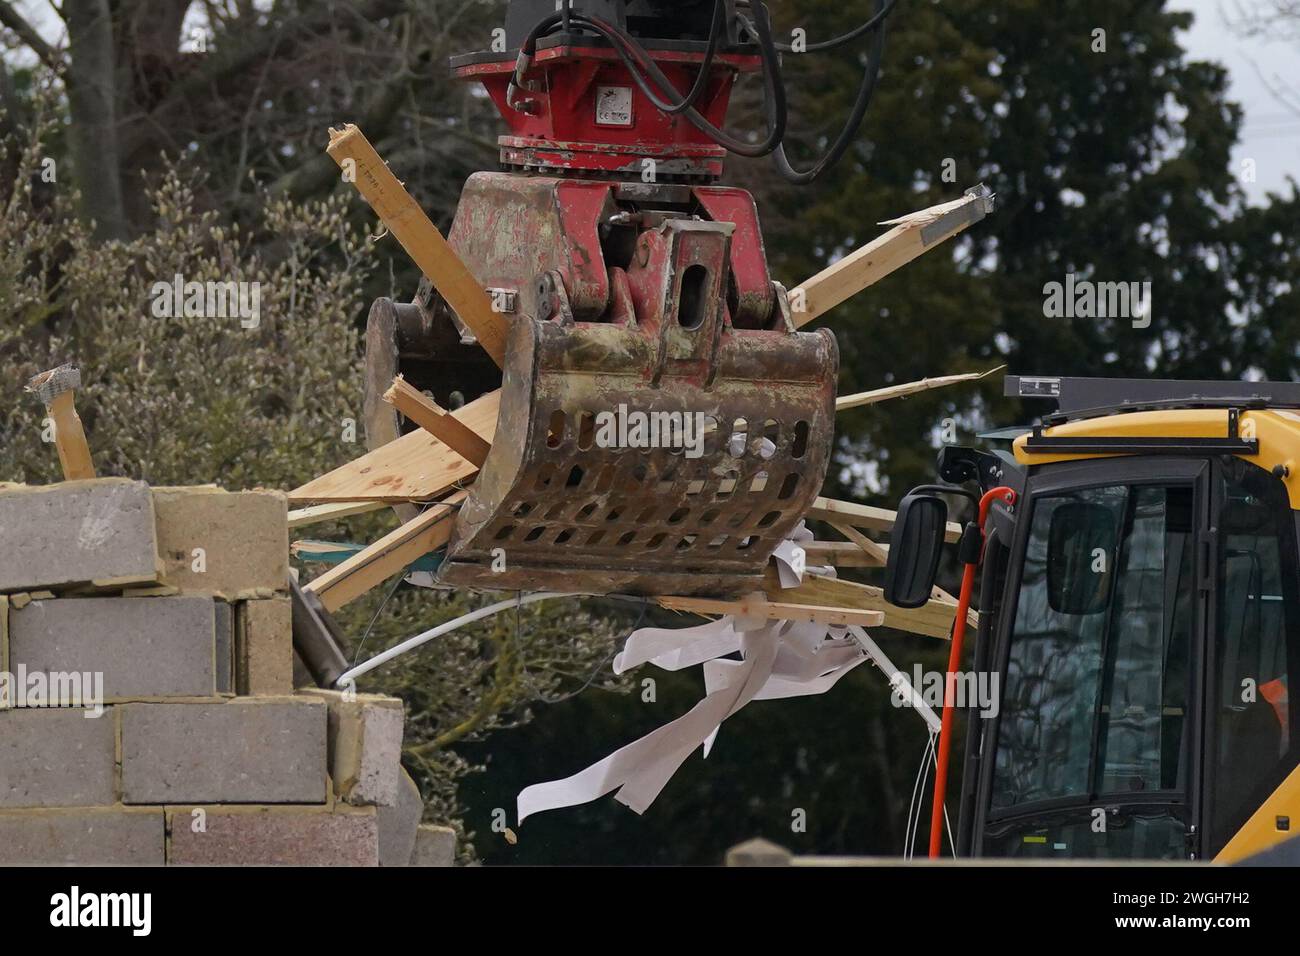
(634, 56)
(702, 80)
(845, 139)
(839, 41)
(627, 50)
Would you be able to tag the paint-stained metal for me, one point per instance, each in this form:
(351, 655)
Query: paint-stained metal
(558, 505)
(638, 297)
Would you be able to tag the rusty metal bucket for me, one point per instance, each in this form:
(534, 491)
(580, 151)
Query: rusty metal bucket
(665, 454)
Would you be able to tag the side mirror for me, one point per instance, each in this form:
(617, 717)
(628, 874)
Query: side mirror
(1080, 554)
(914, 550)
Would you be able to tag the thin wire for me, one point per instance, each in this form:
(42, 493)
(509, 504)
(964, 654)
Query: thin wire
(594, 674)
(947, 822)
(379, 610)
(912, 813)
(382, 604)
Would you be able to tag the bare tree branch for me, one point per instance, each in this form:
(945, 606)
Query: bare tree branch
(11, 18)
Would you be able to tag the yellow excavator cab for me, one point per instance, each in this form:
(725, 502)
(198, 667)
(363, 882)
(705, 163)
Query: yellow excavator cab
(1140, 619)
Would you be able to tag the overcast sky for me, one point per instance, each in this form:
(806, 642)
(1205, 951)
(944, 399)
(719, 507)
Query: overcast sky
(1271, 131)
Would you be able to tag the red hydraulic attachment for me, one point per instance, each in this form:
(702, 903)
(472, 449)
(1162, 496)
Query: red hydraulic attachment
(954, 663)
(635, 286)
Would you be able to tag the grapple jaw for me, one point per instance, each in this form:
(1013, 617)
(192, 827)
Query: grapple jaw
(663, 453)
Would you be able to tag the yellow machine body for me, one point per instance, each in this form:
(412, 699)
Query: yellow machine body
(1278, 434)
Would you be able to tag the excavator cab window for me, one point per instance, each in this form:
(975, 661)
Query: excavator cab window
(1255, 637)
(1092, 745)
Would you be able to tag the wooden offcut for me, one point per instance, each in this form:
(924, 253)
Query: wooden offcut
(437, 421)
(420, 238)
(415, 467)
(840, 554)
(757, 606)
(911, 236)
(933, 619)
(389, 555)
(70, 439)
(865, 516)
(845, 402)
(318, 514)
(877, 553)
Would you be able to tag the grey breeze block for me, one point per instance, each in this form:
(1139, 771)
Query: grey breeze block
(77, 532)
(56, 758)
(242, 750)
(144, 646)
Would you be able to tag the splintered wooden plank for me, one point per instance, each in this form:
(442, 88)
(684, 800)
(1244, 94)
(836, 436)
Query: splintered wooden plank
(437, 421)
(318, 514)
(865, 516)
(415, 467)
(878, 553)
(845, 402)
(756, 605)
(420, 238)
(840, 554)
(911, 236)
(390, 555)
(933, 619)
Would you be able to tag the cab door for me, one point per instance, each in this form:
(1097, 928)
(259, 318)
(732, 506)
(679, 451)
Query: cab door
(1095, 748)
(1251, 738)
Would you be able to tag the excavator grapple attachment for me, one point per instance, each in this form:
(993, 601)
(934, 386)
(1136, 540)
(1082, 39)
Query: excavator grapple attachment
(663, 453)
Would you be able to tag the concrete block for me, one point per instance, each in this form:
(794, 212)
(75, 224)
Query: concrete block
(103, 836)
(273, 836)
(57, 758)
(265, 647)
(77, 532)
(758, 852)
(235, 544)
(241, 750)
(4, 642)
(142, 646)
(434, 846)
(398, 823)
(365, 746)
(225, 647)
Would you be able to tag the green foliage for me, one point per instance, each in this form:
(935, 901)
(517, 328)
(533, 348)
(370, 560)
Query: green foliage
(181, 400)
(1111, 165)
(201, 400)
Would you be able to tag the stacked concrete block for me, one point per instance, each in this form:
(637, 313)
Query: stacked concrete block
(398, 823)
(147, 710)
(235, 544)
(98, 532)
(143, 647)
(365, 735)
(270, 836)
(246, 750)
(124, 836)
(264, 646)
(434, 846)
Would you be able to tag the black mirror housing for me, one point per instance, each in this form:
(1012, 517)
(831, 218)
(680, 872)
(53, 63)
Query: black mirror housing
(914, 550)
